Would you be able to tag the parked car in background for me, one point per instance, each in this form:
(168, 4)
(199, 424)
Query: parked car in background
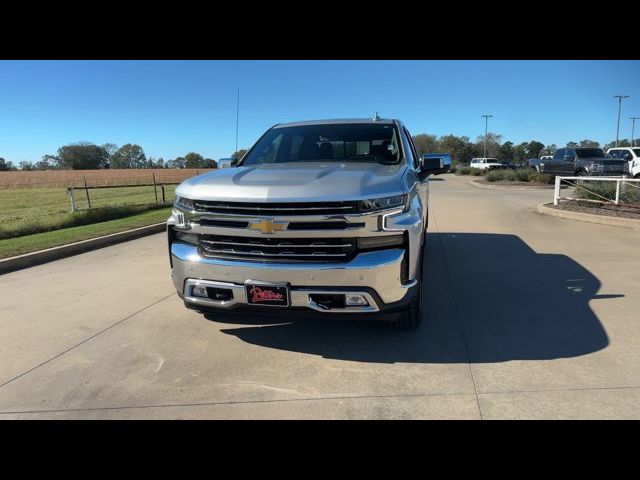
(485, 163)
(446, 161)
(579, 161)
(631, 155)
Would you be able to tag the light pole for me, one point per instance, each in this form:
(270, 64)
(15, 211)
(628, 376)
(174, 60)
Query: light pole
(619, 97)
(633, 127)
(486, 124)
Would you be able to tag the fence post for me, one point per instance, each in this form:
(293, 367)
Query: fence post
(162, 186)
(73, 199)
(155, 189)
(556, 191)
(86, 189)
(617, 192)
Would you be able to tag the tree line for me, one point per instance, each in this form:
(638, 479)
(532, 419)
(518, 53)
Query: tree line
(462, 149)
(88, 156)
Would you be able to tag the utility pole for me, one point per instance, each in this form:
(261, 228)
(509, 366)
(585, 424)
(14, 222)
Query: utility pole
(633, 127)
(619, 97)
(486, 126)
(237, 117)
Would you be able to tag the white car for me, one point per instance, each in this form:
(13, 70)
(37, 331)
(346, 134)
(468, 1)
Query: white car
(485, 163)
(630, 154)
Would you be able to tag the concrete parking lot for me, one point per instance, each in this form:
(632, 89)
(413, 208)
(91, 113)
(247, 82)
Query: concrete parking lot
(527, 316)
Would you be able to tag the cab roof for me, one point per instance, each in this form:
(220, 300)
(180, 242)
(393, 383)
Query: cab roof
(337, 121)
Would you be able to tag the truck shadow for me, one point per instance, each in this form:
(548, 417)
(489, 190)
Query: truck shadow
(489, 298)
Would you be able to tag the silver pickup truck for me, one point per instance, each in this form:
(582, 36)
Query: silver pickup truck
(321, 217)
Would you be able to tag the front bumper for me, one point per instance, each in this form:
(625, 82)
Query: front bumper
(375, 275)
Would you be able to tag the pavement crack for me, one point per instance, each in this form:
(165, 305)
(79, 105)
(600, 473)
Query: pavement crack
(238, 402)
(87, 339)
(458, 316)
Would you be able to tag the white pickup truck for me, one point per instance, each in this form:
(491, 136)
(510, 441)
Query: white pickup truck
(632, 155)
(485, 163)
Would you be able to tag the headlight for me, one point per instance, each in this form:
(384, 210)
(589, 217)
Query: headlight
(185, 203)
(382, 203)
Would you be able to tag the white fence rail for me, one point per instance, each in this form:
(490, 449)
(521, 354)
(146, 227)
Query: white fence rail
(621, 182)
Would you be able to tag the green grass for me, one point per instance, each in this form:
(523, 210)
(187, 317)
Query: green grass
(30, 243)
(27, 211)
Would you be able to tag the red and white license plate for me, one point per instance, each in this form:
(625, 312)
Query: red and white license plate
(273, 295)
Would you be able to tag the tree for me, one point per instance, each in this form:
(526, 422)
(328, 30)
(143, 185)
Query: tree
(493, 144)
(4, 165)
(47, 162)
(26, 166)
(129, 156)
(82, 156)
(193, 160)
(505, 152)
(426, 143)
(176, 163)
(572, 144)
(454, 146)
(111, 149)
(209, 163)
(534, 148)
(589, 143)
(239, 154)
(549, 149)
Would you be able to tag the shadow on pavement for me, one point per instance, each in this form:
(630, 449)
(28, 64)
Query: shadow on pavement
(490, 291)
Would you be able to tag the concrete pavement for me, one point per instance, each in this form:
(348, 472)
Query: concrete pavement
(528, 316)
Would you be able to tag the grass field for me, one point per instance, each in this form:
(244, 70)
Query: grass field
(35, 209)
(76, 178)
(30, 243)
(26, 211)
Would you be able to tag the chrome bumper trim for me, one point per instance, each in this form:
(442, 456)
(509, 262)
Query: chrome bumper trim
(379, 270)
(299, 297)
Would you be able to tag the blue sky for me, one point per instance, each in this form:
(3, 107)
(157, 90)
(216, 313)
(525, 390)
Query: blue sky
(173, 107)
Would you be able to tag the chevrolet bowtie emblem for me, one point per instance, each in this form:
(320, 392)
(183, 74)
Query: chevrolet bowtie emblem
(267, 226)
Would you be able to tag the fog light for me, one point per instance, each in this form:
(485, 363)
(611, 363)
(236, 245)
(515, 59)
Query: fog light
(355, 300)
(199, 291)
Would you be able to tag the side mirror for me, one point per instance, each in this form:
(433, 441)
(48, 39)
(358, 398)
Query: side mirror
(226, 163)
(628, 156)
(431, 165)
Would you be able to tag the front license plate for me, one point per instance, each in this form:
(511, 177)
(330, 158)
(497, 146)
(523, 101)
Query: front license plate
(273, 295)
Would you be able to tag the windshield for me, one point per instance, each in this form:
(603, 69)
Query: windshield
(327, 142)
(637, 151)
(590, 153)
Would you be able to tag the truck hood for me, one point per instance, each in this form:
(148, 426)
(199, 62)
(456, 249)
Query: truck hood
(298, 182)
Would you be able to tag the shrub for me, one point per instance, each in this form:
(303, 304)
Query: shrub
(462, 171)
(595, 190)
(477, 171)
(542, 178)
(453, 169)
(523, 174)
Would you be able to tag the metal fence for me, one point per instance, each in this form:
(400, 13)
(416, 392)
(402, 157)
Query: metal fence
(627, 190)
(159, 189)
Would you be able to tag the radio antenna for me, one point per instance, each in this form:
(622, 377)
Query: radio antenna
(237, 117)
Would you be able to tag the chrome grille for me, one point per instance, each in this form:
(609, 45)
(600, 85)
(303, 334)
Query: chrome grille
(254, 208)
(279, 249)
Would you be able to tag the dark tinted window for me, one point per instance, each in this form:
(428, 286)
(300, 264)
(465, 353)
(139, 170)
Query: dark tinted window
(615, 153)
(590, 153)
(637, 151)
(559, 155)
(329, 142)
